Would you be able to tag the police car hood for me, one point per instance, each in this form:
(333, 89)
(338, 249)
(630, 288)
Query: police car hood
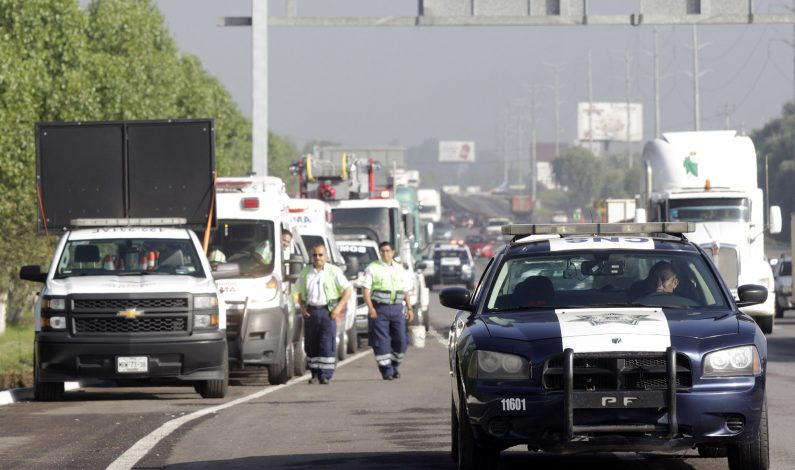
(601, 329)
(151, 283)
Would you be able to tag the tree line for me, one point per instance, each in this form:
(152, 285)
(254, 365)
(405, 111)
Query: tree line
(111, 60)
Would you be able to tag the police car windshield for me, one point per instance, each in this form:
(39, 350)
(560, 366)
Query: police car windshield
(461, 254)
(128, 256)
(248, 243)
(601, 278)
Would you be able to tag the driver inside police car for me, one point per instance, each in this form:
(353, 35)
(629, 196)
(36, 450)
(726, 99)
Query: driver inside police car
(662, 278)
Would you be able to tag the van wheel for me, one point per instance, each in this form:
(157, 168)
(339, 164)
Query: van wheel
(215, 388)
(277, 373)
(342, 345)
(765, 324)
(299, 357)
(779, 311)
(353, 340)
(754, 455)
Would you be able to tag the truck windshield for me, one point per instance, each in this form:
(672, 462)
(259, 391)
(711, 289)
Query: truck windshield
(249, 243)
(368, 221)
(129, 256)
(709, 210)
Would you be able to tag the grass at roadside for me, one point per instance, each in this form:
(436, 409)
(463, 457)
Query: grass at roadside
(16, 357)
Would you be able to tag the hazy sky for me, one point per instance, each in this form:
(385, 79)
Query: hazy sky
(399, 86)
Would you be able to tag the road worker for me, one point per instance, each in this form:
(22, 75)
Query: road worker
(386, 288)
(323, 294)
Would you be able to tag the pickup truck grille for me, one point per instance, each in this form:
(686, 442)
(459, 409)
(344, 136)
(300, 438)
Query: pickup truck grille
(99, 315)
(639, 371)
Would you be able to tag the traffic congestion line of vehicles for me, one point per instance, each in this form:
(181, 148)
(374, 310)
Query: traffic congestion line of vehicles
(175, 275)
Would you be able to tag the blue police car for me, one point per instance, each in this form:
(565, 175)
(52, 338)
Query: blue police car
(606, 337)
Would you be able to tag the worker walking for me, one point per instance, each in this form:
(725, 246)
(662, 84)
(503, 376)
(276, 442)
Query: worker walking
(386, 287)
(323, 294)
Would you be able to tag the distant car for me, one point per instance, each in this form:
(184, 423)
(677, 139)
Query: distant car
(782, 272)
(442, 231)
(494, 225)
(554, 352)
(559, 217)
(480, 246)
(452, 264)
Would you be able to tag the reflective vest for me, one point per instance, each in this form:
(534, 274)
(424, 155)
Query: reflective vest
(386, 279)
(331, 287)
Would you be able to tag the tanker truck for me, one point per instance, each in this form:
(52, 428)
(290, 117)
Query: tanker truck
(710, 177)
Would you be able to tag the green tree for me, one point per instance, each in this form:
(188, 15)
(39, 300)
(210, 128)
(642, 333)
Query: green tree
(581, 173)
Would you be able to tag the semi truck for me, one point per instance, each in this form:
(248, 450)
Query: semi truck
(710, 177)
(129, 294)
(430, 205)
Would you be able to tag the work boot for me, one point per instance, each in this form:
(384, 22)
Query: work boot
(313, 380)
(324, 381)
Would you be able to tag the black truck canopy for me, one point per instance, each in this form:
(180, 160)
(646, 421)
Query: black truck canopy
(125, 173)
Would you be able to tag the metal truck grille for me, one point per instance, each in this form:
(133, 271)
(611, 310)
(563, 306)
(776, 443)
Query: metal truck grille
(123, 325)
(123, 304)
(626, 372)
(727, 261)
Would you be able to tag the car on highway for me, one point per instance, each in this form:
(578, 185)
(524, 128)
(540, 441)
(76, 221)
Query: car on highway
(480, 246)
(449, 264)
(494, 225)
(606, 337)
(782, 274)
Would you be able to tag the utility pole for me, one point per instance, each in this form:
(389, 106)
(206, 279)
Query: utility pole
(696, 112)
(533, 138)
(656, 84)
(556, 98)
(628, 61)
(590, 103)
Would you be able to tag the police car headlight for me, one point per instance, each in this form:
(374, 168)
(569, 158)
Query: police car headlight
(466, 268)
(733, 362)
(495, 365)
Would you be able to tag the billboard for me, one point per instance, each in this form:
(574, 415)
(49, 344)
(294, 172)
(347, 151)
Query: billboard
(609, 121)
(456, 151)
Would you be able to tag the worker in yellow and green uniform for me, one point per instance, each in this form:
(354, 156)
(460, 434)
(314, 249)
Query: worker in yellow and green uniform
(387, 286)
(323, 295)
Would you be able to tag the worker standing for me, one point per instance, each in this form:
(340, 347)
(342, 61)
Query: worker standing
(323, 294)
(386, 287)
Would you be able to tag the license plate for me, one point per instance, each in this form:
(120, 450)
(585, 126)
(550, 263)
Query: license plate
(131, 364)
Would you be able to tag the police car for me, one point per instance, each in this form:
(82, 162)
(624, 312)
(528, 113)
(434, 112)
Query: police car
(572, 342)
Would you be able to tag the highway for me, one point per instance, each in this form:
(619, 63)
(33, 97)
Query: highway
(359, 421)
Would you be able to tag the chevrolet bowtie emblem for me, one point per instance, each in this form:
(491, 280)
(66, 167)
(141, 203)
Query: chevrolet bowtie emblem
(129, 314)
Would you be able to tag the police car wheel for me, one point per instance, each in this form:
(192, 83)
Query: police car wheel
(471, 455)
(453, 431)
(754, 455)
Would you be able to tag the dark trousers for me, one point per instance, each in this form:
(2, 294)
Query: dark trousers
(320, 334)
(388, 337)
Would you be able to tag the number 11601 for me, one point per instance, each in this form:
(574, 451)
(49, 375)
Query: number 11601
(514, 404)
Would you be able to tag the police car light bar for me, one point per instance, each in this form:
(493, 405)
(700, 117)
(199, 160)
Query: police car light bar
(671, 228)
(128, 222)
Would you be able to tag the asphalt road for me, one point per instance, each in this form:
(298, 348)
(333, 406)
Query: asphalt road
(357, 422)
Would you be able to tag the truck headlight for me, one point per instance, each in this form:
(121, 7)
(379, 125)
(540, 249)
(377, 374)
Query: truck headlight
(57, 322)
(496, 365)
(205, 320)
(205, 302)
(740, 361)
(53, 303)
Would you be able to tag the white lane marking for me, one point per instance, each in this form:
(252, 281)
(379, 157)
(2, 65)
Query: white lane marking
(443, 340)
(131, 456)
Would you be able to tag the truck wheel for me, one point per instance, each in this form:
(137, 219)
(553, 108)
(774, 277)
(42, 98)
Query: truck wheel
(45, 391)
(278, 373)
(353, 340)
(342, 345)
(779, 311)
(215, 388)
(426, 320)
(754, 455)
(765, 324)
(471, 455)
(299, 357)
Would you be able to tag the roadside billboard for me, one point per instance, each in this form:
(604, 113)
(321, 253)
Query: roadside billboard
(456, 151)
(609, 121)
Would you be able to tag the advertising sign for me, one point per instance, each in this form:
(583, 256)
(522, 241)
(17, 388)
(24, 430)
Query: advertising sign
(456, 151)
(609, 121)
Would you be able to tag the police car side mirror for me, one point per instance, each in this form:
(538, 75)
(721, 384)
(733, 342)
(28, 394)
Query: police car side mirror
(296, 264)
(751, 294)
(456, 297)
(226, 270)
(32, 273)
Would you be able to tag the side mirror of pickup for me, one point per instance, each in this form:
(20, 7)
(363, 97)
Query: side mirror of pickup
(32, 273)
(296, 264)
(226, 270)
